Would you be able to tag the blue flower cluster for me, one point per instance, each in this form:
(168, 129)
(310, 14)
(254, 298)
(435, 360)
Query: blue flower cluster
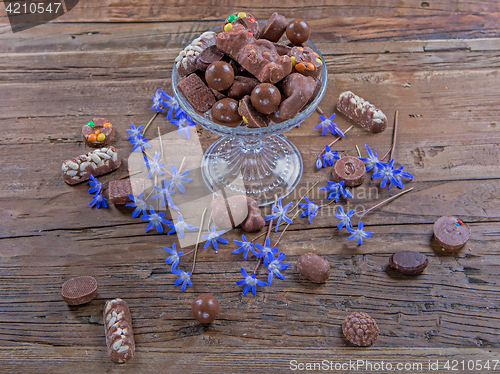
(184, 278)
(163, 101)
(267, 253)
(279, 212)
(96, 188)
(384, 170)
(136, 139)
(345, 221)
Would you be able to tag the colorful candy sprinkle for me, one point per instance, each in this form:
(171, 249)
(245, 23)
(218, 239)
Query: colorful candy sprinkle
(293, 60)
(101, 137)
(311, 66)
(228, 27)
(300, 67)
(231, 18)
(107, 124)
(319, 60)
(92, 137)
(97, 132)
(242, 14)
(251, 19)
(244, 119)
(460, 222)
(90, 123)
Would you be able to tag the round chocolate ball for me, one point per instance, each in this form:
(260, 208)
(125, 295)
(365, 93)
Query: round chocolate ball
(298, 31)
(225, 112)
(219, 75)
(205, 308)
(265, 98)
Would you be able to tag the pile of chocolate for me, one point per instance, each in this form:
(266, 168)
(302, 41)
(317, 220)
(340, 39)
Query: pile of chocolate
(242, 76)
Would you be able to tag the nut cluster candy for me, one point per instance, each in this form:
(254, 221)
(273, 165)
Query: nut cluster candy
(360, 329)
(271, 81)
(205, 308)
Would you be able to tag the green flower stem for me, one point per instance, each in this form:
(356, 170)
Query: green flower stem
(382, 202)
(357, 149)
(149, 123)
(198, 239)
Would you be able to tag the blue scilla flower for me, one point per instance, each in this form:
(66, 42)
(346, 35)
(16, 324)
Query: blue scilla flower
(183, 123)
(134, 132)
(372, 158)
(164, 194)
(174, 257)
(178, 178)
(158, 100)
(250, 282)
(98, 200)
(319, 163)
(138, 203)
(171, 103)
(386, 171)
(264, 250)
(139, 143)
(335, 190)
(358, 234)
(280, 213)
(155, 220)
(329, 156)
(310, 209)
(95, 185)
(180, 226)
(328, 124)
(398, 173)
(154, 166)
(345, 218)
(213, 237)
(184, 278)
(244, 246)
(274, 267)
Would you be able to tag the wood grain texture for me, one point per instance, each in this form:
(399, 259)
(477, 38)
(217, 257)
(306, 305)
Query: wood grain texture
(435, 62)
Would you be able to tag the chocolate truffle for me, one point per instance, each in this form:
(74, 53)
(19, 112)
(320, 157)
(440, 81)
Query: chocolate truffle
(451, 233)
(205, 308)
(349, 169)
(225, 112)
(265, 98)
(313, 267)
(298, 31)
(408, 262)
(360, 329)
(219, 75)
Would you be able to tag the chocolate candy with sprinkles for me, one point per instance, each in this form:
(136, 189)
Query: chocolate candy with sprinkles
(98, 132)
(305, 61)
(244, 19)
(451, 233)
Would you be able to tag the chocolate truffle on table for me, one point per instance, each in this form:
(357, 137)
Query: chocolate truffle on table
(186, 60)
(408, 262)
(298, 31)
(205, 308)
(225, 112)
(250, 116)
(244, 19)
(298, 89)
(98, 132)
(305, 61)
(265, 98)
(451, 233)
(209, 55)
(197, 94)
(362, 112)
(313, 267)
(219, 75)
(274, 28)
(79, 290)
(259, 57)
(360, 329)
(349, 169)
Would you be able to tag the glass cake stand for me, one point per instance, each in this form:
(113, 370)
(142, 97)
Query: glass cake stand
(265, 161)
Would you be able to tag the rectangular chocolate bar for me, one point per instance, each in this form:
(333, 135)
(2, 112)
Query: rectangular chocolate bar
(362, 112)
(120, 189)
(97, 162)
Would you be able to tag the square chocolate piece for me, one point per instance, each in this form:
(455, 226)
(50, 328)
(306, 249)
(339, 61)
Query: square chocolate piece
(120, 189)
(197, 93)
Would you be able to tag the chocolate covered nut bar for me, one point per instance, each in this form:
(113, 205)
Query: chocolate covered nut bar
(98, 132)
(186, 60)
(97, 162)
(120, 190)
(362, 112)
(118, 330)
(259, 57)
(198, 95)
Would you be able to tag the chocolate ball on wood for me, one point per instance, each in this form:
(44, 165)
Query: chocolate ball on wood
(360, 329)
(265, 98)
(298, 31)
(205, 308)
(219, 75)
(225, 112)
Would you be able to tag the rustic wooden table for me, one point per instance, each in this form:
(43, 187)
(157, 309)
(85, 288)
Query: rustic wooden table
(436, 62)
